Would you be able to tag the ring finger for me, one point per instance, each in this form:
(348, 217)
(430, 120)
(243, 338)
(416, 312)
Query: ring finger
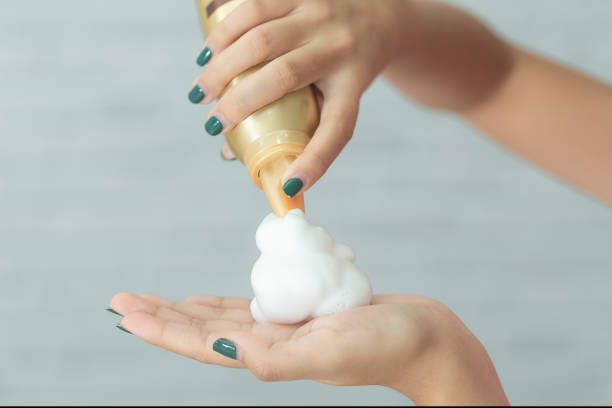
(262, 43)
(285, 74)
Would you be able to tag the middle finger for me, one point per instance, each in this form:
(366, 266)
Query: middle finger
(200, 311)
(261, 44)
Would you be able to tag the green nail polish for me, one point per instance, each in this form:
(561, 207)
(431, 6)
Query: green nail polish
(113, 311)
(120, 327)
(204, 57)
(196, 94)
(292, 186)
(213, 126)
(225, 347)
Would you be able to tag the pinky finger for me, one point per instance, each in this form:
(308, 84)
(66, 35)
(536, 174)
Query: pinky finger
(226, 152)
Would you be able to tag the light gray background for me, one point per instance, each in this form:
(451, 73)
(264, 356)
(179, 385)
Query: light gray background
(109, 183)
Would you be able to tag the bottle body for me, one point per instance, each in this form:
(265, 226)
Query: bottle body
(268, 140)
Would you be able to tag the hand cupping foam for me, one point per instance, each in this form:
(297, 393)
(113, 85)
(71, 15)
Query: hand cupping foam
(303, 273)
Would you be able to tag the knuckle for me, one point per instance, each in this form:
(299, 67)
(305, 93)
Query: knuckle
(207, 82)
(235, 105)
(346, 123)
(216, 301)
(287, 76)
(344, 40)
(218, 311)
(265, 373)
(436, 306)
(260, 43)
(215, 78)
(257, 9)
(315, 163)
(349, 136)
(157, 311)
(225, 107)
(319, 162)
(194, 322)
(322, 11)
(218, 36)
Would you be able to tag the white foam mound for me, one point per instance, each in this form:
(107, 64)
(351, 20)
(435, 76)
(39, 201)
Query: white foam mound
(302, 272)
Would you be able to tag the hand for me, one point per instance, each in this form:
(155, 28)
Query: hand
(410, 343)
(339, 46)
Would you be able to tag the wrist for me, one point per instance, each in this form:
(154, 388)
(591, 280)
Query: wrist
(453, 369)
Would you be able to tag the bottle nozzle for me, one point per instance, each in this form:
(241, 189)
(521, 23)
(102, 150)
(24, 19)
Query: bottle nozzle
(270, 176)
(269, 139)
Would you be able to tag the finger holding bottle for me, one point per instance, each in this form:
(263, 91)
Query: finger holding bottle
(339, 110)
(286, 74)
(263, 43)
(246, 16)
(337, 46)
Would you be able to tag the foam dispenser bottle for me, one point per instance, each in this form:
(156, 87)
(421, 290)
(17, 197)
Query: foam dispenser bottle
(270, 139)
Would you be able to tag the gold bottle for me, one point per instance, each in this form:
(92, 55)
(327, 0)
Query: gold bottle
(269, 139)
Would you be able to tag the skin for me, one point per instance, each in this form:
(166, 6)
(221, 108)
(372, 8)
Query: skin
(441, 57)
(551, 115)
(412, 344)
(294, 36)
(435, 54)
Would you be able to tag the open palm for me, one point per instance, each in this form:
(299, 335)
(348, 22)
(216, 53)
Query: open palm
(349, 348)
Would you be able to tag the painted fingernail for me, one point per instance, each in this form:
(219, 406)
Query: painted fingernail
(204, 56)
(213, 126)
(292, 186)
(108, 309)
(225, 347)
(196, 94)
(120, 327)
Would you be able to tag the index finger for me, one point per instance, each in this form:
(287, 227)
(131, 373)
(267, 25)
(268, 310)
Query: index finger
(246, 16)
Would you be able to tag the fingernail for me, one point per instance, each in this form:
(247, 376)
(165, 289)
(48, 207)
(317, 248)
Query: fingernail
(204, 56)
(120, 327)
(196, 94)
(227, 159)
(292, 186)
(225, 347)
(213, 126)
(113, 311)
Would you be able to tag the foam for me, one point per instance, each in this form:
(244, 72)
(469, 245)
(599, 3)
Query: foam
(302, 272)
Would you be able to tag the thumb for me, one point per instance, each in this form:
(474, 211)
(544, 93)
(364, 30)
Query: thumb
(336, 126)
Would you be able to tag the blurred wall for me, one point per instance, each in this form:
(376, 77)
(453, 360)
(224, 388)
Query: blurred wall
(108, 183)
